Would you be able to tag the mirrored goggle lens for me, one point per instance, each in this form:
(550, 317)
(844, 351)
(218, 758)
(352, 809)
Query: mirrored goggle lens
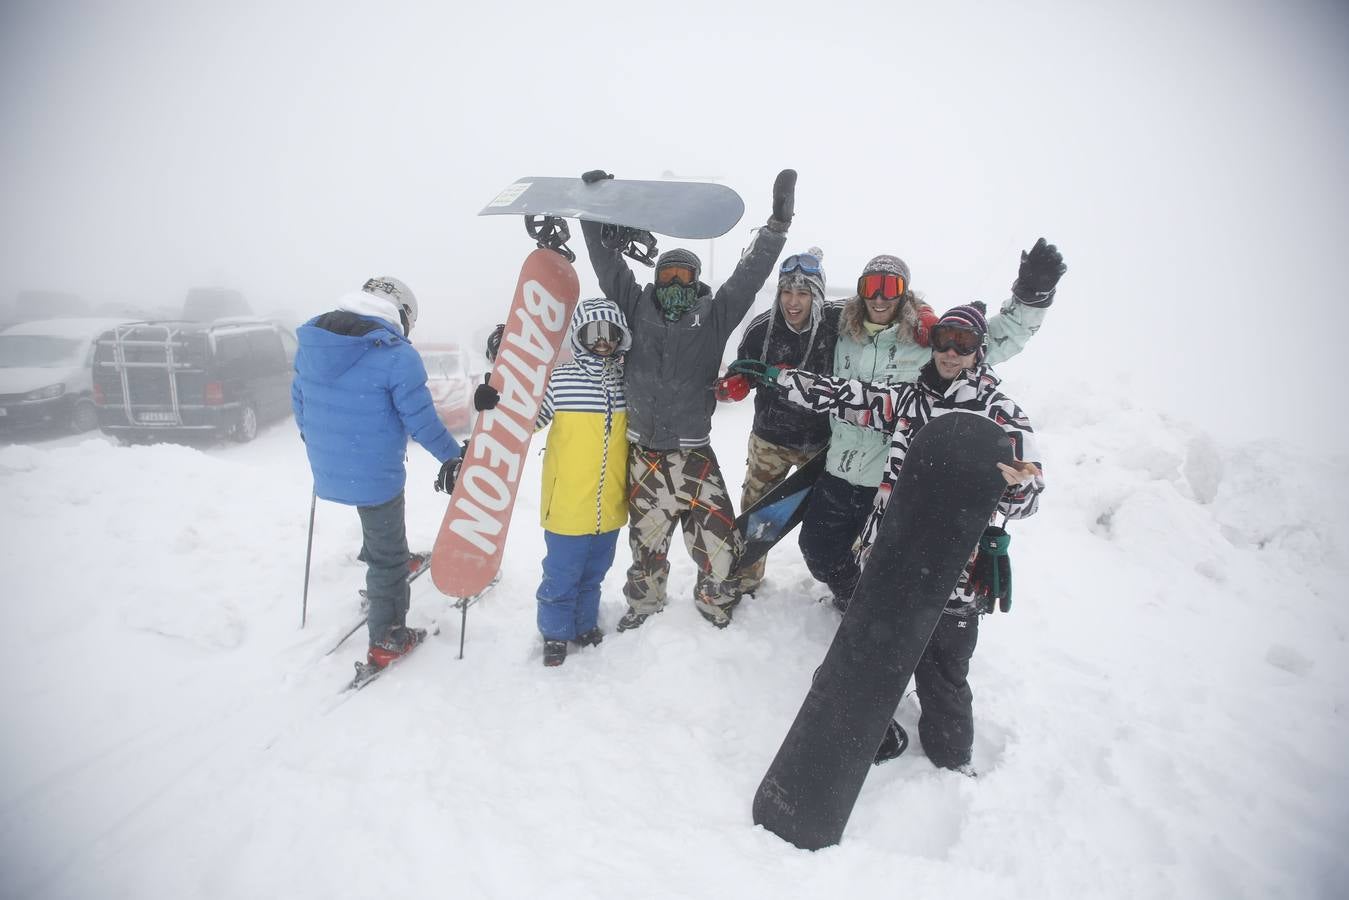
(672, 274)
(887, 287)
(804, 262)
(945, 337)
(594, 332)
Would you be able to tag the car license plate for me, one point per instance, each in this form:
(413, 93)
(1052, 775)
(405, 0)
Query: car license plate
(3, 411)
(162, 417)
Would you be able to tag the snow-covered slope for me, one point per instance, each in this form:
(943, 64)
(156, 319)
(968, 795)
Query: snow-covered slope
(1162, 714)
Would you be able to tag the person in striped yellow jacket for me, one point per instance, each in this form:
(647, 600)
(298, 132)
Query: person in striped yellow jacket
(584, 503)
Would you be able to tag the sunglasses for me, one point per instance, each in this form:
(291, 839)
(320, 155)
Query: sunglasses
(804, 262)
(880, 284)
(594, 332)
(948, 337)
(671, 274)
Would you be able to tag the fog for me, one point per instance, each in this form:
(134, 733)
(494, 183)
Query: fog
(1189, 162)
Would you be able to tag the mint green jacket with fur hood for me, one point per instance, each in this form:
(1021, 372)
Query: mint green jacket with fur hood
(858, 455)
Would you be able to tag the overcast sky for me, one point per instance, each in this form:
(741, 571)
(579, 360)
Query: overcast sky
(1188, 158)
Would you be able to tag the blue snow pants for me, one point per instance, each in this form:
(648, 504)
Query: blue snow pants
(569, 595)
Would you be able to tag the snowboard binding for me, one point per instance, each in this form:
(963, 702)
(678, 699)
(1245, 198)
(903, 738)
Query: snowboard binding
(551, 233)
(634, 243)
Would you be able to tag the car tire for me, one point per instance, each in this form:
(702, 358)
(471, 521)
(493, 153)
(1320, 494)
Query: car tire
(84, 416)
(247, 427)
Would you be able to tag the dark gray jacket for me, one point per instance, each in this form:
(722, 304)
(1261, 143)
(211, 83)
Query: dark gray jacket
(672, 365)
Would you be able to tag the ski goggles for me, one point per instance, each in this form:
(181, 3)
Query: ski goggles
(880, 284)
(949, 337)
(675, 273)
(593, 332)
(800, 262)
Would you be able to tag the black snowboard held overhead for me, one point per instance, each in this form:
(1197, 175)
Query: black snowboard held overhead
(776, 513)
(681, 209)
(946, 493)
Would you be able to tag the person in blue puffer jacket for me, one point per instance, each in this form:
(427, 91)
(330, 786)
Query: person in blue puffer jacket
(359, 392)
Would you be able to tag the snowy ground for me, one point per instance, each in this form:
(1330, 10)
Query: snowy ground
(1165, 713)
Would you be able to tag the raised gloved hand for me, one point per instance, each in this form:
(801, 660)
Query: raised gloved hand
(755, 370)
(449, 471)
(922, 332)
(486, 397)
(595, 175)
(784, 201)
(1041, 268)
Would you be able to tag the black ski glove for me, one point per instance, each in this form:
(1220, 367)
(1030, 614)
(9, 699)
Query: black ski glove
(595, 175)
(494, 342)
(784, 201)
(486, 396)
(1041, 269)
(449, 471)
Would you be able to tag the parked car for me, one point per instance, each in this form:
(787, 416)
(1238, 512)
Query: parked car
(45, 377)
(447, 375)
(165, 380)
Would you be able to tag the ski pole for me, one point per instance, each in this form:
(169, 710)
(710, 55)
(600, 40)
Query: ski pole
(308, 553)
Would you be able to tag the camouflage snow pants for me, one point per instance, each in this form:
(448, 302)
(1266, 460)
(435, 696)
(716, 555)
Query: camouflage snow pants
(684, 487)
(766, 465)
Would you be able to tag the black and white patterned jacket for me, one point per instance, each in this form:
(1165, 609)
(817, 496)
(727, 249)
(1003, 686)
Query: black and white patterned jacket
(901, 410)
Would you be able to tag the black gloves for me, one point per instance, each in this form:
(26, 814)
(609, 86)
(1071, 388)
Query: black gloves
(595, 175)
(449, 471)
(1040, 271)
(784, 201)
(486, 396)
(494, 342)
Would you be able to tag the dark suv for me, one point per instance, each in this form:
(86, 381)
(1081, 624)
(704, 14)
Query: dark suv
(165, 380)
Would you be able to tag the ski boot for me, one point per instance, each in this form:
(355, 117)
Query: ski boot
(396, 643)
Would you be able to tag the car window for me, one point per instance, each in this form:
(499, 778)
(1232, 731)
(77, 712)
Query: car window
(268, 354)
(232, 356)
(289, 345)
(39, 350)
(444, 364)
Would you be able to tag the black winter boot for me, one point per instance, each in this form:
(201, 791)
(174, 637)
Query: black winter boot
(554, 652)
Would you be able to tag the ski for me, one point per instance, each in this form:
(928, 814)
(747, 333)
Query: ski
(417, 567)
(366, 673)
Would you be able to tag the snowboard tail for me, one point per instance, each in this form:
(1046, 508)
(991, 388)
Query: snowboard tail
(946, 492)
(776, 513)
(680, 209)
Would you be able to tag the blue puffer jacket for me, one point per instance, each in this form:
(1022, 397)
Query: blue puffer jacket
(359, 391)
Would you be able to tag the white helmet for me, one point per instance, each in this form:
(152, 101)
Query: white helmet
(398, 292)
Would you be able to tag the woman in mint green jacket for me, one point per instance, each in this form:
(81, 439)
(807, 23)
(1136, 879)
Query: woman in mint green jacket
(882, 339)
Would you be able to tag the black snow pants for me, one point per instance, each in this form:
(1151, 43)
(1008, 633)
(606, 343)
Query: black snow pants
(946, 724)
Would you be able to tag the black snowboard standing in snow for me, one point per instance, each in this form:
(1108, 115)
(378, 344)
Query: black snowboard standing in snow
(947, 490)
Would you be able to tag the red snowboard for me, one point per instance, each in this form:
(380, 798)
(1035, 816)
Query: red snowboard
(472, 537)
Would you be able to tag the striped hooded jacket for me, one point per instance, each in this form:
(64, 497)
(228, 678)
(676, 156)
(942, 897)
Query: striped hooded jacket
(585, 462)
